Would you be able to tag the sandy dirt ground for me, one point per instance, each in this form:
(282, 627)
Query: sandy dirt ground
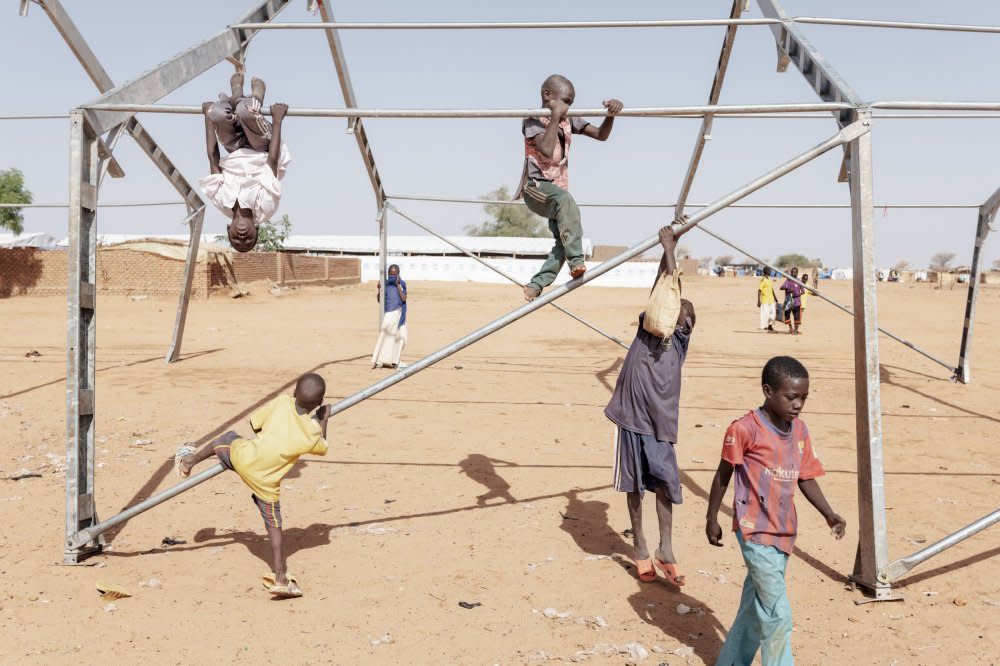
(485, 479)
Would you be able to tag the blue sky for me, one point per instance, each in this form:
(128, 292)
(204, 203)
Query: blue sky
(326, 191)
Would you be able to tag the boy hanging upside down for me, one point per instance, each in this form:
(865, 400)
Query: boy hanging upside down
(246, 184)
(545, 179)
(285, 431)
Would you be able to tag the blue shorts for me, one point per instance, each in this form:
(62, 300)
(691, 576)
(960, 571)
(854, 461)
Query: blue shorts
(642, 463)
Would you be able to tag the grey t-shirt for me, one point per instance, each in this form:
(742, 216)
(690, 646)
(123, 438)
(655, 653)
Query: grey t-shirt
(648, 390)
(532, 127)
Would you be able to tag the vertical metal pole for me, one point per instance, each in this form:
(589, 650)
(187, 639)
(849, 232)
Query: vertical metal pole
(872, 536)
(383, 248)
(190, 266)
(982, 231)
(81, 295)
(713, 98)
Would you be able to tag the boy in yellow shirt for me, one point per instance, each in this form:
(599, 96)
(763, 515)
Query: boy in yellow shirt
(766, 301)
(285, 431)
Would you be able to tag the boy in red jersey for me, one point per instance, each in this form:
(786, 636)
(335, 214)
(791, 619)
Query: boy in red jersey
(770, 451)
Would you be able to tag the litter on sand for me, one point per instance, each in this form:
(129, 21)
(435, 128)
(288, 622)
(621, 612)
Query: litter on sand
(112, 591)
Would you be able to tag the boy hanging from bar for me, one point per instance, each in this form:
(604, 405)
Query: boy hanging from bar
(545, 178)
(246, 184)
(644, 409)
(284, 432)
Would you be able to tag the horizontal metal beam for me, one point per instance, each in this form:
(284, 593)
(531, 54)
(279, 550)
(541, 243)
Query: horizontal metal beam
(936, 106)
(667, 23)
(100, 205)
(898, 25)
(847, 134)
(36, 116)
(174, 73)
(897, 569)
(468, 200)
(655, 111)
(501, 272)
(731, 116)
(502, 25)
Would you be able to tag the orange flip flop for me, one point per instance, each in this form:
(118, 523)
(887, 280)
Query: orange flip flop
(647, 574)
(669, 569)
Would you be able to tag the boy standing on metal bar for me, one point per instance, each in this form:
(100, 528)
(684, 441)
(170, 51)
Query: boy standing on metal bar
(771, 453)
(545, 178)
(644, 408)
(246, 184)
(285, 431)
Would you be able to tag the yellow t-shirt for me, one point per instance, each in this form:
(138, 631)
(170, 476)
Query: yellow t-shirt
(282, 436)
(803, 298)
(766, 290)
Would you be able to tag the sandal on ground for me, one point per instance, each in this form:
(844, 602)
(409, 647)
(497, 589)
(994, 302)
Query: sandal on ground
(673, 575)
(577, 271)
(644, 568)
(531, 292)
(289, 591)
(182, 452)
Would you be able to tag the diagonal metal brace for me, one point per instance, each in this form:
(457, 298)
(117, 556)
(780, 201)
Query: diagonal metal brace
(793, 47)
(172, 74)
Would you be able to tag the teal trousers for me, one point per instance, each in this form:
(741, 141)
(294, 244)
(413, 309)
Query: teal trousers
(764, 620)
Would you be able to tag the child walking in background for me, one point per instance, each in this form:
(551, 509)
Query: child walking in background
(804, 298)
(545, 178)
(644, 408)
(793, 301)
(767, 301)
(284, 431)
(770, 451)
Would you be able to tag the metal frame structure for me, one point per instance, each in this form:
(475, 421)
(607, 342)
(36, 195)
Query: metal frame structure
(90, 157)
(987, 213)
(113, 113)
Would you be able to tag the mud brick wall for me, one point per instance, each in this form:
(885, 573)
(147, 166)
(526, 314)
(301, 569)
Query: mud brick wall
(254, 266)
(25, 271)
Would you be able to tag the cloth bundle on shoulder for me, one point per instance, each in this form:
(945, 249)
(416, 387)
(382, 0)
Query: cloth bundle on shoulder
(663, 307)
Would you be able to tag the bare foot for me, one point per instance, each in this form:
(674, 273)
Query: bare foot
(236, 85)
(257, 89)
(531, 292)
